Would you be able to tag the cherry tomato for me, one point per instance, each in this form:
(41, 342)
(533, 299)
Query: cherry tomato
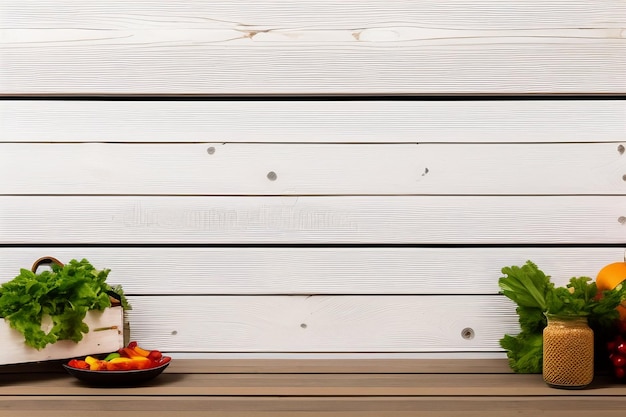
(618, 361)
(77, 363)
(155, 355)
(619, 372)
(621, 348)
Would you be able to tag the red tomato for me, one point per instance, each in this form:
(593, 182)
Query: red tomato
(77, 363)
(618, 361)
(155, 355)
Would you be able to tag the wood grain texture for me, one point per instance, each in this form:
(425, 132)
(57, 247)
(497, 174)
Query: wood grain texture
(338, 220)
(398, 47)
(312, 169)
(339, 366)
(302, 385)
(313, 389)
(298, 366)
(332, 270)
(327, 121)
(376, 323)
(329, 385)
(575, 405)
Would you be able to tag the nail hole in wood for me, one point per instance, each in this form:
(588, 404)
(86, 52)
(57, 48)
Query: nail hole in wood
(467, 333)
(272, 176)
(211, 150)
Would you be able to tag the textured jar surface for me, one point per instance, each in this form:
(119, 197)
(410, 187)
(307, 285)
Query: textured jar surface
(568, 352)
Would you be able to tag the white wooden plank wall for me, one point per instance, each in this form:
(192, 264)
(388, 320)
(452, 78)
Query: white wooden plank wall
(313, 47)
(329, 121)
(344, 225)
(313, 169)
(313, 220)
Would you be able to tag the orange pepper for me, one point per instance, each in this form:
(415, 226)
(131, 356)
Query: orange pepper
(141, 362)
(141, 351)
(119, 364)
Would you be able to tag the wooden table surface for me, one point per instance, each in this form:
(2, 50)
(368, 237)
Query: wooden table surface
(309, 388)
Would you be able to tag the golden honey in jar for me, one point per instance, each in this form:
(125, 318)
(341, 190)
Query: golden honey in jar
(567, 352)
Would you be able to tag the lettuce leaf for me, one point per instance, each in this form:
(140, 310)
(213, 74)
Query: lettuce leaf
(65, 294)
(524, 351)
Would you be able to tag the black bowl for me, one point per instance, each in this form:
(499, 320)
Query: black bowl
(117, 378)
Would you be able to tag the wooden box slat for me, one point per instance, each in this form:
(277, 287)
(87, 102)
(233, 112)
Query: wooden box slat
(106, 334)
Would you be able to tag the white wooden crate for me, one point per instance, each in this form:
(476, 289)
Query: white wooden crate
(105, 335)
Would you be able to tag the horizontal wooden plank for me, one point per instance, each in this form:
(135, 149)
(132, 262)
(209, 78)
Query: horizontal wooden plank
(277, 48)
(355, 121)
(301, 366)
(576, 404)
(117, 14)
(294, 169)
(338, 366)
(390, 219)
(334, 270)
(301, 385)
(367, 323)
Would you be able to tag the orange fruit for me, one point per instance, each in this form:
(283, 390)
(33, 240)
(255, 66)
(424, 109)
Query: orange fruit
(610, 277)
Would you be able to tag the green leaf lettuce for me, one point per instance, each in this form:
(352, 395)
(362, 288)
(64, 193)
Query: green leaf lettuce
(64, 293)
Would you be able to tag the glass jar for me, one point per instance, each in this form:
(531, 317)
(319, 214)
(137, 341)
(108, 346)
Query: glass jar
(567, 352)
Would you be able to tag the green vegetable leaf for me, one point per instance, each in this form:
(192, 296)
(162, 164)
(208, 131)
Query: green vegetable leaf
(527, 286)
(531, 320)
(65, 294)
(531, 290)
(524, 352)
(576, 299)
(604, 314)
